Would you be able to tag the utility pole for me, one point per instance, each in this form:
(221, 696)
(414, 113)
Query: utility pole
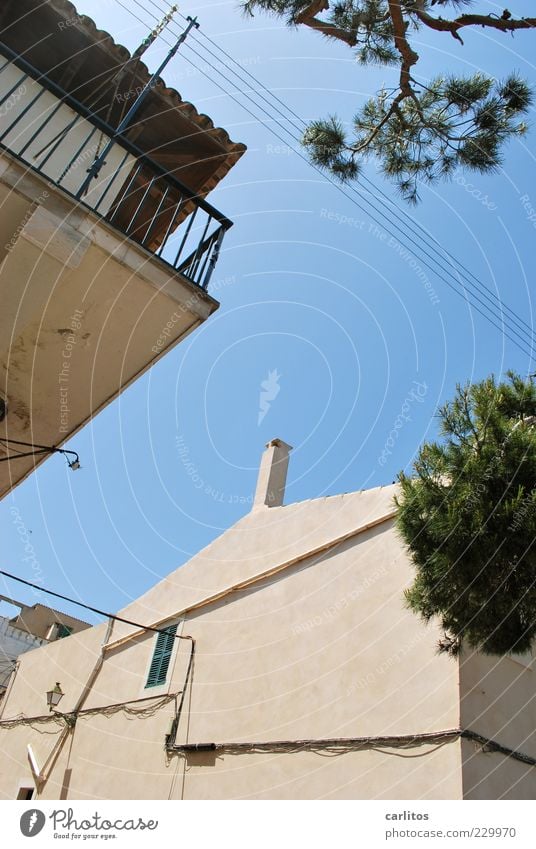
(100, 161)
(136, 56)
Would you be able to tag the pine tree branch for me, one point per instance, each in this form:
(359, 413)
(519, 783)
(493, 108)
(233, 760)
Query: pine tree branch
(469, 419)
(502, 24)
(307, 17)
(393, 109)
(414, 130)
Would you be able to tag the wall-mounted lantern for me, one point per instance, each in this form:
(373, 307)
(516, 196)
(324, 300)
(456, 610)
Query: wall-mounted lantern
(54, 697)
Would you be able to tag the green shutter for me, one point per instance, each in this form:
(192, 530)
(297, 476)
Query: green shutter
(161, 657)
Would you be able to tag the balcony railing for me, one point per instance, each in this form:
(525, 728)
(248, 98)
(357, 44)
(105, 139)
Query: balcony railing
(60, 138)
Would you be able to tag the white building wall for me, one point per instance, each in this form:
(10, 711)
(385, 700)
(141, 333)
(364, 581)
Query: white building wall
(13, 642)
(301, 633)
(66, 140)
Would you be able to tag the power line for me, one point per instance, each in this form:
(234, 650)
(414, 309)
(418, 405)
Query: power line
(519, 339)
(342, 745)
(93, 609)
(517, 320)
(522, 324)
(508, 325)
(103, 710)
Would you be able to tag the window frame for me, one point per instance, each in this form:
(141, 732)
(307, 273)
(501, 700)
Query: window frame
(167, 655)
(63, 631)
(24, 788)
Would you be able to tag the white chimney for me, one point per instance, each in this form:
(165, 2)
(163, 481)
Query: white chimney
(272, 475)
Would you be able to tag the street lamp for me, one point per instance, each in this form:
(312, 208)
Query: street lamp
(73, 464)
(54, 696)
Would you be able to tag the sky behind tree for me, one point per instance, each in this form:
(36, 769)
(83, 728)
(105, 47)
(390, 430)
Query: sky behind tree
(331, 334)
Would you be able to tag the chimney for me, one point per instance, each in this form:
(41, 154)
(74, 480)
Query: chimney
(272, 475)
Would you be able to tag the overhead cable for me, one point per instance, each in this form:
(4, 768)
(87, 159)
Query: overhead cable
(93, 609)
(511, 323)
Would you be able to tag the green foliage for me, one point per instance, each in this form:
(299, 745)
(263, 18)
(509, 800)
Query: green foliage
(468, 518)
(326, 143)
(416, 132)
(451, 123)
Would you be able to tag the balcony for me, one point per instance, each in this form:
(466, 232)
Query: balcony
(59, 137)
(99, 278)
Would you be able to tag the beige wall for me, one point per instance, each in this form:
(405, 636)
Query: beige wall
(13, 642)
(357, 673)
(498, 700)
(38, 620)
(321, 648)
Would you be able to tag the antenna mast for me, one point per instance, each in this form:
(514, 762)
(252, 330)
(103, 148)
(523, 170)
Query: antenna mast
(146, 43)
(100, 161)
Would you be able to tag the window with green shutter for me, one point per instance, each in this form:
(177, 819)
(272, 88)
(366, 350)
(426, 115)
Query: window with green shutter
(161, 657)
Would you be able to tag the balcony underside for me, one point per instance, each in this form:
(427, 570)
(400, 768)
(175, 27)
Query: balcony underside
(85, 312)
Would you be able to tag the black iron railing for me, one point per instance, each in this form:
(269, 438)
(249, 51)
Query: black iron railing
(60, 138)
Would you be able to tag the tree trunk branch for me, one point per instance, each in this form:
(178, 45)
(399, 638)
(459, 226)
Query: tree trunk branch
(409, 57)
(307, 17)
(502, 24)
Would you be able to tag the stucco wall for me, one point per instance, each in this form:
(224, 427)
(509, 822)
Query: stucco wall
(38, 619)
(328, 651)
(321, 646)
(498, 699)
(325, 649)
(13, 642)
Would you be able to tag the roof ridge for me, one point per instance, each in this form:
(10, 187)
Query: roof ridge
(338, 495)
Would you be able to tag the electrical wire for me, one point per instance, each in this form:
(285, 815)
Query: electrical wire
(343, 745)
(335, 745)
(115, 618)
(513, 323)
(36, 449)
(103, 710)
(171, 738)
(508, 328)
(522, 324)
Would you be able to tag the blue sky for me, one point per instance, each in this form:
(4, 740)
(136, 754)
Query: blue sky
(317, 301)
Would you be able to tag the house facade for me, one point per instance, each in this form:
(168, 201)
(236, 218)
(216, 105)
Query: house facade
(32, 626)
(278, 663)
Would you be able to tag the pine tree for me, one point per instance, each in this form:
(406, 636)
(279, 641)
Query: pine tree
(468, 518)
(415, 131)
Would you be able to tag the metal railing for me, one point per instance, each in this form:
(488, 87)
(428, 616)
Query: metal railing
(56, 135)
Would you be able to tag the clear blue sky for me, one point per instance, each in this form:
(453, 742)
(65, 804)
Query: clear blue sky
(309, 291)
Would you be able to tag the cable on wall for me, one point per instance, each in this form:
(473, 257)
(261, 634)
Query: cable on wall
(103, 710)
(343, 745)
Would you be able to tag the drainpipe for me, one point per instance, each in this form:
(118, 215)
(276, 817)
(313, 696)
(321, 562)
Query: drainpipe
(41, 776)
